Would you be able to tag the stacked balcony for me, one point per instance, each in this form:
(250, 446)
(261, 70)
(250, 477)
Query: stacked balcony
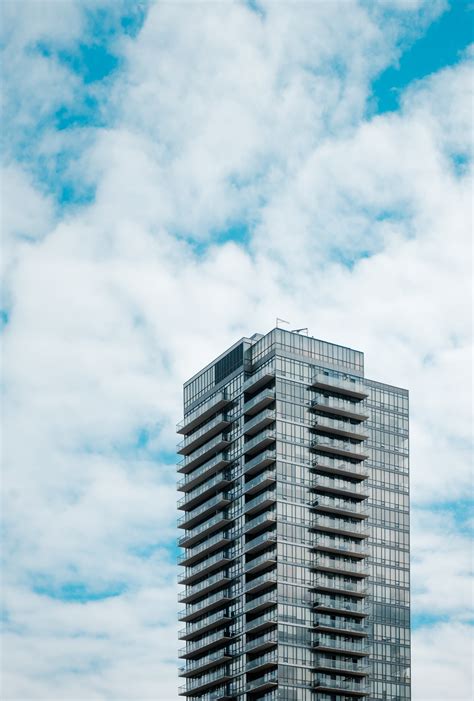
(203, 413)
(339, 524)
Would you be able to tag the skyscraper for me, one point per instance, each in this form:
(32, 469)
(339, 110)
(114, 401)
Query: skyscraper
(295, 526)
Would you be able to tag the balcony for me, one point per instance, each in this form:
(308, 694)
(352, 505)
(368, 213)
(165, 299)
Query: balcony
(216, 562)
(261, 562)
(198, 495)
(263, 622)
(203, 412)
(355, 568)
(340, 605)
(348, 386)
(217, 600)
(190, 518)
(332, 446)
(259, 442)
(340, 546)
(263, 642)
(355, 529)
(203, 664)
(340, 585)
(215, 445)
(340, 507)
(261, 481)
(261, 501)
(203, 472)
(199, 647)
(204, 434)
(259, 379)
(267, 457)
(261, 602)
(204, 549)
(341, 624)
(340, 407)
(207, 681)
(342, 665)
(341, 468)
(260, 523)
(259, 422)
(326, 643)
(264, 683)
(262, 663)
(216, 523)
(341, 684)
(260, 542)
(263, 582)
(259, 402)
(195, 630)
(338, 427)
(340, 487)
(208, 585)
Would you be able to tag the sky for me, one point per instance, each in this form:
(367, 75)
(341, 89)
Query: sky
(175, 176)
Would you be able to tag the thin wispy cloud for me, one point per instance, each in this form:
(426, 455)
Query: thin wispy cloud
(173, 170)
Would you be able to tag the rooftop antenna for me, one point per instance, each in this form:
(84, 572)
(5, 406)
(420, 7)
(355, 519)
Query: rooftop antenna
(280, 321)
(300, 330)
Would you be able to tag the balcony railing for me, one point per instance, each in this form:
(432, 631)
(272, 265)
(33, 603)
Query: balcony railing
(343, 407)
(262, 500)
(356, 647)
(260, 522)
(258, 379)
(338, 505)
(215, 445)
(263, 641)
(266, 620)
(198, 647)
(257, 403)
(341, 623)
(359, 667)
(340, 545)
(260, 541)
(217, 561)
(259, 442)
(266, 681)
(190, 517)
(339, 427)
(263, 479)
(341, 525)
(215, 523)
(206, 680)
(216, 619)
(204, 434)
(199, 551)
(201, 473)
(353, 567)
(198, 666)
(341, 385)
(265, 580)
(262, 662)
(219, 599)
(341, 584)
(341, 684)
(261, 561)
(356, 490)
(264, 601)
(203, 412)
(260, 421)
(259, 461)
(340, 467)
(210, 583)
(334, 446)
(191, 499)
(340, 605)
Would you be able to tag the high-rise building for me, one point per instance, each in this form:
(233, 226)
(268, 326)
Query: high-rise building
(295, 518)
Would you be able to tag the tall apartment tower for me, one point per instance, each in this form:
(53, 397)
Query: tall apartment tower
(295, 527)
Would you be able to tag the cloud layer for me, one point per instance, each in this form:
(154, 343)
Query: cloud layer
(231, 171)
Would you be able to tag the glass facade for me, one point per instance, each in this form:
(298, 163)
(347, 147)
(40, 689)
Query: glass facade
(295, 517)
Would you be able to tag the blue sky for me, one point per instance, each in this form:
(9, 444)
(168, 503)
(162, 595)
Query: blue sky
(176, 177)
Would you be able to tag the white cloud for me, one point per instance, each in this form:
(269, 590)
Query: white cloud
(218, 116)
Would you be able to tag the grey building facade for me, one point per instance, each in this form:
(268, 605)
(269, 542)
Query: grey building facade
(294, 499)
